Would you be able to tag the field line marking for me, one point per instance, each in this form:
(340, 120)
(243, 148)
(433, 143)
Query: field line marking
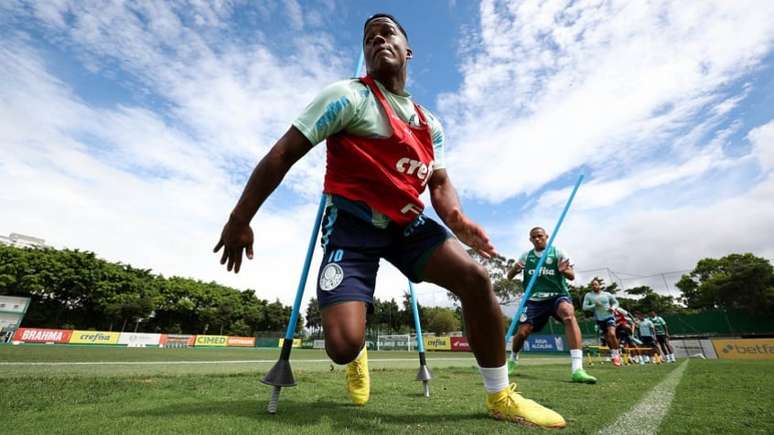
(250, 361)
(646, 415)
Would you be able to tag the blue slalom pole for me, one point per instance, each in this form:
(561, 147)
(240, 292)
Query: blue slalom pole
(423, 374)
(281, 374)
(539, 267)
(417, 325)
(305, 272)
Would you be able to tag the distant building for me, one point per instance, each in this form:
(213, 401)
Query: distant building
(22, 241)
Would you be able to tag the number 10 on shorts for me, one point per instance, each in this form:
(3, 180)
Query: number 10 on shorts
(336, 256)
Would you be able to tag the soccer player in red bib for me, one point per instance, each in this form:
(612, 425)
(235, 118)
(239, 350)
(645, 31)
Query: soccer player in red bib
(383, 150)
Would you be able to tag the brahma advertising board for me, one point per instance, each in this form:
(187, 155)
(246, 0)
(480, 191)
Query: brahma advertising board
(42, 335)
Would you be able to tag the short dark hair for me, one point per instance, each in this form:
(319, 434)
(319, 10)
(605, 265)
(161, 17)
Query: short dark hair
(537, 228)
(388, 16)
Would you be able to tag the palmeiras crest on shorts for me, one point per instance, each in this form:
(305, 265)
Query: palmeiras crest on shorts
(523, 317)
(331, 277)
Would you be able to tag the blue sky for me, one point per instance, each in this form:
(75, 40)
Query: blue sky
(129, 129)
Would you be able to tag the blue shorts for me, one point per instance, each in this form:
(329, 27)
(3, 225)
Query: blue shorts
(537, 313)
(352, 248)
(604, 324)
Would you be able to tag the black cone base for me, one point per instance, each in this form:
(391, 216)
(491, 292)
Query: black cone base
(281, 375)
(424, 373)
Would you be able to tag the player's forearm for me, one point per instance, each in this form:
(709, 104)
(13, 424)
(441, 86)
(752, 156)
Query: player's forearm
(268, 174)
(588, 305)
(444, 198)
(569, 274)
(514, 271)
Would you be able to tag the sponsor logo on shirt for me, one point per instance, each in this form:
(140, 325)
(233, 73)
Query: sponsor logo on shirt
(544, 271)
(410, 166)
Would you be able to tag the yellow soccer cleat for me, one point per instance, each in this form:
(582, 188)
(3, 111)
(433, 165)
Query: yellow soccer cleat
(509, 405)
(358, 379)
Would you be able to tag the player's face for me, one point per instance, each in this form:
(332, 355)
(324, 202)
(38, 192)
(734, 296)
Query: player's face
(384, 46)
(539, 238)
(596, 286)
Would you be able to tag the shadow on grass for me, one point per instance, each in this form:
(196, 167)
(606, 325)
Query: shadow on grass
(294, 414)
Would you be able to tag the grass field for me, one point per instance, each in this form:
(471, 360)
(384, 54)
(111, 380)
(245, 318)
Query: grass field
(77, 390)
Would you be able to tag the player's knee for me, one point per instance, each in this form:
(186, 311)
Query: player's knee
(343, 354)
(473, 284)
(343, 350)
(567, 316)
(476, 280)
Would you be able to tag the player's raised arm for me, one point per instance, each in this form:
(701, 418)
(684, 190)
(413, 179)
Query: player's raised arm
(267, 175)
(518, 267)
(566, 269)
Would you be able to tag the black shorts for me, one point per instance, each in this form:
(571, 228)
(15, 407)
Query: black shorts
(662, 339)
(647, 341)
(622, 333)
(352, 248)
(537, 313)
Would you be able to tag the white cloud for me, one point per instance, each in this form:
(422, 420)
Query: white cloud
(152, 184)
(553, 86)
(762, 139)
(296, 15)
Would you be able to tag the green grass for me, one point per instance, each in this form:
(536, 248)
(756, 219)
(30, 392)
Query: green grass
(724, 397)
(159, 398)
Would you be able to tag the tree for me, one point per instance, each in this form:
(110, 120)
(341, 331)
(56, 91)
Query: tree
(386, 317)
(313, 317)
(407, 313)
(648, 301)
(442, 321)
(735, 282)
(497, 267)
(77, 289)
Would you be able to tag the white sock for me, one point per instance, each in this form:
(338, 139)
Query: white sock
(514, 356)
(672, 357)
(576, 358)
(614, 353)
(495, 378)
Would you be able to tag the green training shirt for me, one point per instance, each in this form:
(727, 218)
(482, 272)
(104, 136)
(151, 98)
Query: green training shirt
(550, 283)
(660, 325)
(601, 303)
(646, 328)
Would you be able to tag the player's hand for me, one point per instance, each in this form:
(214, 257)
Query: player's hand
(564, 265)
(470, 233)
(235, 237)
(511, 274)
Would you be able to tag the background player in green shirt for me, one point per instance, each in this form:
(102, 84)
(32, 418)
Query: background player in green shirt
(647, 331)
(662, 336)
(550, 297)
(604, 305)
